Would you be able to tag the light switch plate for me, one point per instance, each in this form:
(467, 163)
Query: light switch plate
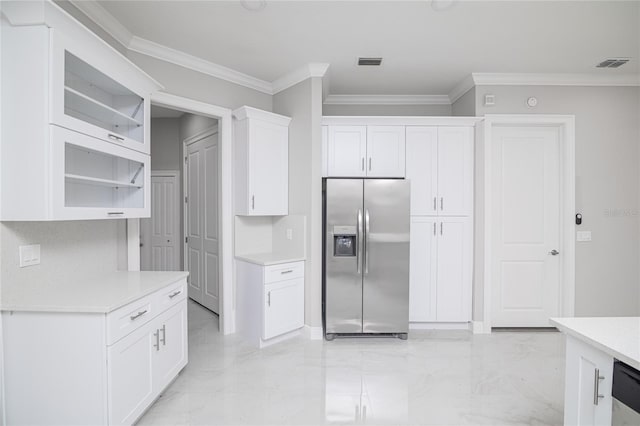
(29, 255)
(289, 234)
(583, 236)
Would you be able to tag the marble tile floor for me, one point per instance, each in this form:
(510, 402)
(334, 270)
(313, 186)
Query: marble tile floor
(433, 378)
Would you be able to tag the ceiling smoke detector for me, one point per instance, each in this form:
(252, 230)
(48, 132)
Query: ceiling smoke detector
(612, 63)
(370, 62)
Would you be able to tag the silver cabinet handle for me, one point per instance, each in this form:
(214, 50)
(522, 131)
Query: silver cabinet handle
(138, 315)
(596, 386)
(115, 138)
(369, 163)
(434, 204)
(366, 241)
(441, 228)
(164, 335)
(287, 272)
(157, 336)
(441, 203)
(359, 242)
(363, 164)
(434, 228)
(269, 299)
(174, 294)
(253, 202)
(115, 213)
(554, 252)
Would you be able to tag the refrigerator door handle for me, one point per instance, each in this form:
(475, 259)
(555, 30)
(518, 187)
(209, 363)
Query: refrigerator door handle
(366, 241)
(359, 241)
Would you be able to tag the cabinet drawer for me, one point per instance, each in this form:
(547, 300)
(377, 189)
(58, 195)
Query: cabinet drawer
(171, 295)
(283, 271)
(126, 319)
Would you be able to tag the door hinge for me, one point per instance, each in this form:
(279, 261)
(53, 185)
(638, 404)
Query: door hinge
(185, 160)
(185, 199)
(186, 239)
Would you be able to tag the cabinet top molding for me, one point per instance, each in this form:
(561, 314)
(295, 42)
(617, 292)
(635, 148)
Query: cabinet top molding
(45, 12)
(399, 121)
(245, 112)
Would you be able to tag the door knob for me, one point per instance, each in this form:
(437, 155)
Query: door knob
(554, 252)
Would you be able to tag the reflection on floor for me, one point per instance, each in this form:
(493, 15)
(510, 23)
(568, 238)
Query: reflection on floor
(436, 378)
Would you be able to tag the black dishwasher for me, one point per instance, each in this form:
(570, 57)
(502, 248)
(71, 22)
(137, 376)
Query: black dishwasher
(626, 389)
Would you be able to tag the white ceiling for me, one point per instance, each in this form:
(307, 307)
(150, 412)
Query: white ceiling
(426, 52)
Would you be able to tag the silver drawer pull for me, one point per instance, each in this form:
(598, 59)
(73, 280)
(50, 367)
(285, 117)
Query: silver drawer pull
(115, 213)
(157, 336)
(138, 315)
(115, 138)
(172, 295)
(287, 272)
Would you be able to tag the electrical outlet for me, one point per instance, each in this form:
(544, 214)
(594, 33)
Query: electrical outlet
(289, 234)
(583, 236)
(29, 255)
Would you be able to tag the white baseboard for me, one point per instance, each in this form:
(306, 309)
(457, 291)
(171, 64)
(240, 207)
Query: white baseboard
(439, 326)
(478, 328)
(312, 333)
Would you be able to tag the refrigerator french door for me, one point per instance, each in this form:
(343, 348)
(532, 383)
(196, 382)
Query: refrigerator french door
(366, 257)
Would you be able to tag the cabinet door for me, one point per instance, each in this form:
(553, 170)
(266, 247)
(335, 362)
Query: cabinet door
(454, 269)
(268, 169)
(455, 171)
(422, 270)
(385, 151)
(587, 371)
(283, 307)
(346, 151)
(130, 375)
(93, 179)
(91, 94)
(171, 355)
(422, 169)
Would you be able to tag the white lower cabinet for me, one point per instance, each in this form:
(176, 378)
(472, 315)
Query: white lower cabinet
(440, 271)
(94, 368)
(270, 301)
(588, 384)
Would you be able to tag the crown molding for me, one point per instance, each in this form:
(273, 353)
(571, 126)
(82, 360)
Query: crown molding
(518, 79)
(105, 20)
(461, 88)
(314, 69)
(387, 100)
(177, 57)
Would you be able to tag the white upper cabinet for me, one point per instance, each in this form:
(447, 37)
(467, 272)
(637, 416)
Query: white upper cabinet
(365, 151)
(347, 151)
(385, 151)
(261, 160)
(440, 167)
(87, 99)
(75, 121)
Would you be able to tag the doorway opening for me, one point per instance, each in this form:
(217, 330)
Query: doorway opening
(190, 224)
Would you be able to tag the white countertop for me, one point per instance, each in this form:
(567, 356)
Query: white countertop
(266, 259)
(97, 294)
(616, 336)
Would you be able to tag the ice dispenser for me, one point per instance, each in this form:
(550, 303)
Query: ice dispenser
(344, 241)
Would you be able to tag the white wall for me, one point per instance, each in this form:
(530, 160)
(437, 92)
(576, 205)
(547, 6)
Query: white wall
(303, 103)
(165, 144)
(607, 185)
(384, 110)
(465, 105)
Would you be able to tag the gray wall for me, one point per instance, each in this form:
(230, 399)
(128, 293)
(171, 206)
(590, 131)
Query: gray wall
(303, 103)
(384, 110)
(465, 105)
(607, 185)
(165, 144)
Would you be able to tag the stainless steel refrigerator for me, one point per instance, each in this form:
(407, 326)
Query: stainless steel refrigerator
(366, 257)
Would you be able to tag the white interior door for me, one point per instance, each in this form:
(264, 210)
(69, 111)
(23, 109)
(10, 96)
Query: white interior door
(160, 234)
(525, 226)
(201, 213)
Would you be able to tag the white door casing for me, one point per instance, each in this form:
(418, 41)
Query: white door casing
(515, 268)
(160, 234)
(201, 218)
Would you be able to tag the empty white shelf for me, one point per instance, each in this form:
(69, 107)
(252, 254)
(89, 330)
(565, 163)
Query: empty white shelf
(100, 182)
(98, 110)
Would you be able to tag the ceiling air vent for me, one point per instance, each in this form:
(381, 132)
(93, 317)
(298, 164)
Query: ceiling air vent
(375, 62)
(612, 63)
